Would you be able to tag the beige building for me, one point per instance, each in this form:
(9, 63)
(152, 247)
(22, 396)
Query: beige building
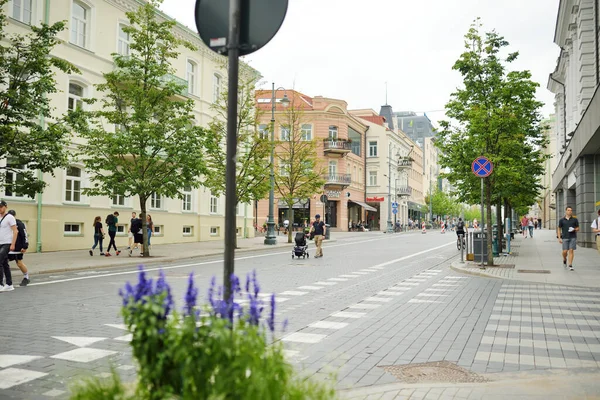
(61, 217)
(548, 199)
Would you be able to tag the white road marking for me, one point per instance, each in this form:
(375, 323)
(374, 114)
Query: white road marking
(423, 301)
(431, 295)
(388, 293)
(292, 293)
(328, 325)
(437, 290)
(369, 270)
(83, 355)
(337, 279)
(325, 283)
(349, 276)
(399, 289)
(364, 306)
(444, 284)
(346, 314)
(415, 280)
(310, 287)
(300, 337)
(8, 360)
(118, 326)
(379, 299)
(360, 273)
(408, 284)
(79, 341)
(15, 376)
(126, 338)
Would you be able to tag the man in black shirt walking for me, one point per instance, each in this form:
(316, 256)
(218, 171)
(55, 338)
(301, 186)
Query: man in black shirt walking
(318, 228)
(567, 235)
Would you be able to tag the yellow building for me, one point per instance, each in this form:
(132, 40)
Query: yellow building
(61, 217)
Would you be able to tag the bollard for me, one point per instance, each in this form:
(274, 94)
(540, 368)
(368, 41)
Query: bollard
(461, 238)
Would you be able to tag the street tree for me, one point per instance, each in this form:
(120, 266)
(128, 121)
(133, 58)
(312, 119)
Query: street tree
(442, 203)
(253, 165)
(32, 138)
(495, 114)
(155, 148)
(298, 174)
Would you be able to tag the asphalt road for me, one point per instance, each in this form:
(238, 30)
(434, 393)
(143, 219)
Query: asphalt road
(368, 307)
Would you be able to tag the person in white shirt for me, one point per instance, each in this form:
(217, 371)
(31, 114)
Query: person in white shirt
(8, 238)
(596, 230)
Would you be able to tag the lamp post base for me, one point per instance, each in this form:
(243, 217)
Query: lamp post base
(270, 238)
(390, 227)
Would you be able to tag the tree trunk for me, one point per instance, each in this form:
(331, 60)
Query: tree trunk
(291, 225)
(500, 226)
(488, 220)
(146, 250)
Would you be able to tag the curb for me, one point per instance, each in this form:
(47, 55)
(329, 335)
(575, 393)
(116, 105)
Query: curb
(475, 273)
(152, 260)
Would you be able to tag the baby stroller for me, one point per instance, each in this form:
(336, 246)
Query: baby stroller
(300, 249)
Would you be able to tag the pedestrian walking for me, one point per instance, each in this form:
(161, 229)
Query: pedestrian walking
(8, 239)
(138, 236)
(567, 235)
(318, 231)
(539, 225)
(530, 227)
(111, 223)
(596, 230)
(21, 246)
(98, 235)
(524, 226)
(149, 227)
(130, 233)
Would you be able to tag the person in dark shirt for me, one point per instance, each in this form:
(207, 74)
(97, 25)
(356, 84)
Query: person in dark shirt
(318, 228)
(567, 235)
(98, 235)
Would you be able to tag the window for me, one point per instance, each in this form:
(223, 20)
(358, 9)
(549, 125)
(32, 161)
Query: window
(372, 178)
(284, 168)
(80, 24)
(187, 199)
(263, 131)
(192, 76)
(13, 180)
(214, 203)
(333, 132)
(188, 230)
(156, 201)
(75, 99)
(121, 229)
(214, 231)
(332, 168)
(306, 132)
(216, 87)
(306, 166)
(73, 184)
(285, 133)
(73, 229)
(118, 200)
(124, 41)
(158, 230)
(22, 10)
(372, 149)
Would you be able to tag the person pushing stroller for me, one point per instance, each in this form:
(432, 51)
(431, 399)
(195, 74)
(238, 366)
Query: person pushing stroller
(301, 247)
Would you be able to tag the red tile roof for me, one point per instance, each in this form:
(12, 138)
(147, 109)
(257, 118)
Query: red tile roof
(376, 119)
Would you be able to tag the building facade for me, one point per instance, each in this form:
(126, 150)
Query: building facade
(547, 197)
(416, 127)
(575, 83)
(340, 150)
(61, 217)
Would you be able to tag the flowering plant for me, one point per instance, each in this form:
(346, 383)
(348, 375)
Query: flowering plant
(222, 352)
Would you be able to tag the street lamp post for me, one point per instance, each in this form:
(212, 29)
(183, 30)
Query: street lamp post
(390, 227)
(270, 236)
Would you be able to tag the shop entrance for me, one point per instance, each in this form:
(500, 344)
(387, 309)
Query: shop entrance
(331, 213)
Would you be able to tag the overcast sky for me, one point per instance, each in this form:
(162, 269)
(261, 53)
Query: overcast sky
(349, 49)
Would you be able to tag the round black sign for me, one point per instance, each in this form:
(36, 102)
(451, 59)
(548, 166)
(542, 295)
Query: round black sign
(260, 21)
(323, 198)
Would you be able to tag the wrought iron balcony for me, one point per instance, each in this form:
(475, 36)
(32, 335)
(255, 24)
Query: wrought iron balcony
(404, 162)
(404, 191)
(337, 146)
(338, 179)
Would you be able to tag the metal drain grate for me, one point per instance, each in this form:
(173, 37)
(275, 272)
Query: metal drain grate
(533, 271)
(432, 372)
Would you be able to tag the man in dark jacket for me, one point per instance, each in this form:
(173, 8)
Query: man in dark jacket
(21, 246)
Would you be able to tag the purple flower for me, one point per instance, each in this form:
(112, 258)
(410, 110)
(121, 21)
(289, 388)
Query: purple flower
(190, 296)
(271, 319)
(163, 286)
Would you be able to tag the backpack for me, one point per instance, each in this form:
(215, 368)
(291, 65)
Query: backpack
(460, 226)
(22, 241)
(110, 219)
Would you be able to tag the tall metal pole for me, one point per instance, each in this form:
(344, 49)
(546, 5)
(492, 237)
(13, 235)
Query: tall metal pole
(482, 224)
(230, 169)
(389, 221)
(270, 236)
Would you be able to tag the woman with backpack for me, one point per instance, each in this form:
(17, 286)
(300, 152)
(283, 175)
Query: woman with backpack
(98, 235)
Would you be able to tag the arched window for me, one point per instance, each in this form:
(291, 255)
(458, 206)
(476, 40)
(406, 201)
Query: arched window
(73, 184)
(192, 76)
(333, 132)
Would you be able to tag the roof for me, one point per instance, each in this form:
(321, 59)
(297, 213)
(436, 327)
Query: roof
(297, 99)
(376, 119)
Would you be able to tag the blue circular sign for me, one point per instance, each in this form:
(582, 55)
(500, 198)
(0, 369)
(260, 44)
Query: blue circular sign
(482, 167)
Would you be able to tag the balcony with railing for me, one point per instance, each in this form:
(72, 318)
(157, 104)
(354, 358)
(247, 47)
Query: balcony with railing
(337, 146)
(404, 191)
(169, 78)
(342, 180)
(404, 162)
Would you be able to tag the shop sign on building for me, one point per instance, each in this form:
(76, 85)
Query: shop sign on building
(374, 199)
(333, 194)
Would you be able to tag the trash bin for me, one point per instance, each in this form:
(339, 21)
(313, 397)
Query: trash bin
(327, 231)
(477, 251)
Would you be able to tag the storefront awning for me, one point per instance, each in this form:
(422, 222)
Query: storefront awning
(364, 205)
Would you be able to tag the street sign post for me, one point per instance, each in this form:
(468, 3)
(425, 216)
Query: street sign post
(482, 167)
(394, 211)
(394, 205)
(235, 28)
